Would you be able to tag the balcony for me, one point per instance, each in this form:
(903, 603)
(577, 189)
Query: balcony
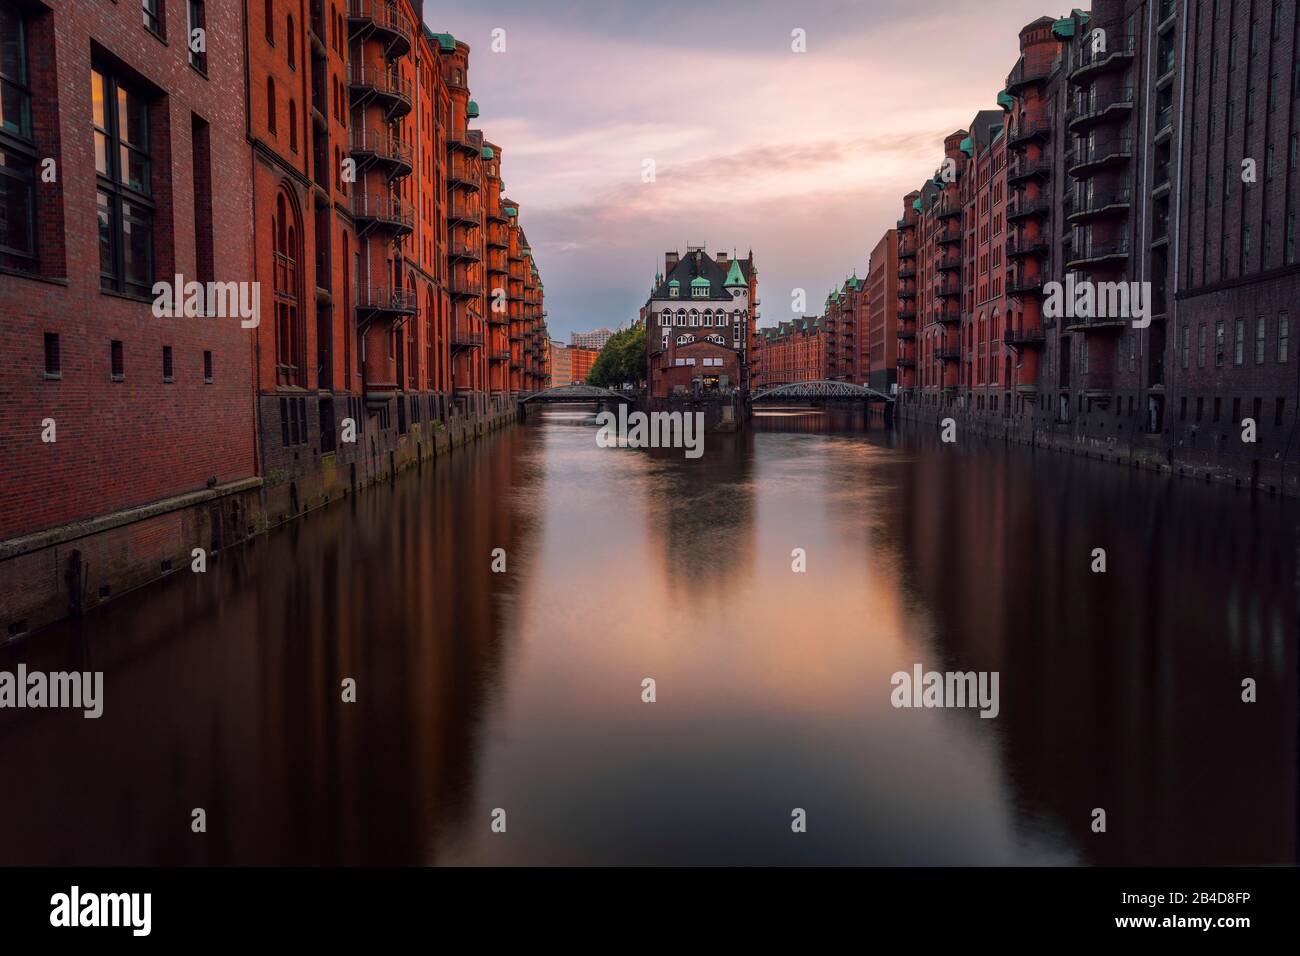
(1101, 156)
(1023, 246)
(460, 212)
(948, 316)
(948, 235)
(499, 355)
(385, 302)
(460, 141)
(948, 354)
(463, 172)
(464, 286)
(948, 208)
(904, 224)
(947, 288)
(1022, 169)
(1095, 323)
(1024, 338)
(1092, 254)
(905, 294)
(1025, 75)
(371, 146)
(906, 362)
(498, 318)
(1024, 133)
(372, 84)
(907, 251)
(389, 213)
(907, 315)
(465, 335)
(498, 238)
(1088, 110)
(461, 251)
(1117, 54)
(380, 21)
(1110, 202)
(1024, 207)
(907, 335)
(1022, 286)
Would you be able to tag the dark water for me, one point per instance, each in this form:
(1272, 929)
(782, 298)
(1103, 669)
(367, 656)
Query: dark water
(522, 690)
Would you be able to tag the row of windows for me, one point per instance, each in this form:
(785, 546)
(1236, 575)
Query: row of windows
(1244, 341)
(708, 317)
(117, 361)
(1257, 410)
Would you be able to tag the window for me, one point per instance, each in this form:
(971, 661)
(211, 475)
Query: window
(152, 12)
(289, 44)
(1200, 346)
(117, 369)
(270, 104)
(53, 361)
(197, 36)
(1187, 345)
(286, 233)
(207, 366)
(293, 126)
(1279, 412)
(124, 194)
(1219, 341)
(1239, 342)
(17, 147)
(167, 364)
(1283, 337)
(1261, 333)
(269, 18)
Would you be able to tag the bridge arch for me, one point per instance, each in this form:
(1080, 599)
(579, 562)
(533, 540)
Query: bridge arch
(575, 393)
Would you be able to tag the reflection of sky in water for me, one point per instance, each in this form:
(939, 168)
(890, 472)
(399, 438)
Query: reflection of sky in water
(522, 691)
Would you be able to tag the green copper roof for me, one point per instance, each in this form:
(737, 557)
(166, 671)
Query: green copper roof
(512, 210)
(734, 276)
(472, 110)
(446, 42)
(699, 281)
(1006, 102)
(1064, 28)
(673, 282)
(488, 153)
(916, 204)
(968, 146)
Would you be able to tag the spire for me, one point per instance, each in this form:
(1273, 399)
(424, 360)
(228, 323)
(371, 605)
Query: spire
(734, 276)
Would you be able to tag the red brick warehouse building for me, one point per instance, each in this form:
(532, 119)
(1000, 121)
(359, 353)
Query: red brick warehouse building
(384, 246)
(154, 441)
(319, 153)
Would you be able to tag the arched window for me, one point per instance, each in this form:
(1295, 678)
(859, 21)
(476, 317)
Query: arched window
(347, 313)
(413, 342)
(290, 365)
(270, 103)
(270, 23)
(681, 316)
(289, 44)
(293, 126)
(695, 318)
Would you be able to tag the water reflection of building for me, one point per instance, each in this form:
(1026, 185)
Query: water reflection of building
(224, 690)
(1119, 690)
(701, 512)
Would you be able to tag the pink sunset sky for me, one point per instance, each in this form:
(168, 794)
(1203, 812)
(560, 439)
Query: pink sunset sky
(803, 157)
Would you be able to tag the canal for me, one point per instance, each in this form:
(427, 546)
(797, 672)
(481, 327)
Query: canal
(522, 690)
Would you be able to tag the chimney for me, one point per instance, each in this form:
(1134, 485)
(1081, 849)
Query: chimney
(670, 262)
(722, 258)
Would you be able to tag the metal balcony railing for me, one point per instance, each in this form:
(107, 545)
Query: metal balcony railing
(385, 210)
(383, 145)
(382, 82)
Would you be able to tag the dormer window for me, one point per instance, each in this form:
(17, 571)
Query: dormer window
(672, 292)
(700, 291)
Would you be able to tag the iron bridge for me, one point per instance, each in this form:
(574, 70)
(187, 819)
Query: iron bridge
(822, 390)
(576, 393)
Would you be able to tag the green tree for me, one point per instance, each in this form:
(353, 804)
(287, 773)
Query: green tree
(621, 360)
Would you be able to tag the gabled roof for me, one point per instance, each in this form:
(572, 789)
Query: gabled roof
(699, 265)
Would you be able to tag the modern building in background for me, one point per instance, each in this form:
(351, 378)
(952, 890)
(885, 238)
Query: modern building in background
(880, 325)
(794, 351)
(700, 323)
(317, 161)
(570, 365)
(594, 339)
(1146, 141)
